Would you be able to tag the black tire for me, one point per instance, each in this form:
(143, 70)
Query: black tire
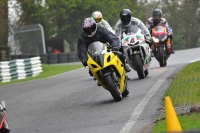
(24, 56)
(139, 66)
(5, 128)
(62, 58)
(44, 58)
(161, 57)
(52, 58)
(72, 57)
(146, 72)
(126, 91)
(14, 57)
(110, 83)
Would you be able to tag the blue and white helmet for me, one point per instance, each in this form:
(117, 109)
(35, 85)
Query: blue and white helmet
(89, 27)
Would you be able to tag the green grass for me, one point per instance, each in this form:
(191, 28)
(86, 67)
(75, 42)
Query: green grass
(184, 90)
(48, 70)
(187, 122)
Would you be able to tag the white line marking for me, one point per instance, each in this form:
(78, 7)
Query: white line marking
(140, 107)
(194, 60)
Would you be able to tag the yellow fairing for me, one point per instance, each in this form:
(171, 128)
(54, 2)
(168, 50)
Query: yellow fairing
(110, 60)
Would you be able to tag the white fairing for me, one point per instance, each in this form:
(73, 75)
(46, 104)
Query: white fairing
(133, 41)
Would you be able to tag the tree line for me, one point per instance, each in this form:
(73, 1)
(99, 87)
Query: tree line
(63, 18)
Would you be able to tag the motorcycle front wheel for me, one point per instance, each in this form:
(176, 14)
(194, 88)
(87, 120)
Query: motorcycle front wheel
(161, 57)
(111, 84)
(5, 128)
(139, 66)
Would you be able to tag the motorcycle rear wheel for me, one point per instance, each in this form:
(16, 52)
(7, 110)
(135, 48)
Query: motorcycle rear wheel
(139, 66)
(110, 83)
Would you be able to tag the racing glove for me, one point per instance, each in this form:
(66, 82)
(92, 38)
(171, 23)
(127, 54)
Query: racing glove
(115, 48)
(84, 63)
(148, 39)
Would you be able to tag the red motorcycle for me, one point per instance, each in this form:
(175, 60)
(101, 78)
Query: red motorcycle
(4, 128)
(160, 45)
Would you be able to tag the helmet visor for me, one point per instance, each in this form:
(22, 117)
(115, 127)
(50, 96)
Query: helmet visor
(156, 18)
(125, 19)
(98, 20)
(90, 31)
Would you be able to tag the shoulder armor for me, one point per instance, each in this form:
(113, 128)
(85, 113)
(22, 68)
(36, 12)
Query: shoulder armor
(163, 19)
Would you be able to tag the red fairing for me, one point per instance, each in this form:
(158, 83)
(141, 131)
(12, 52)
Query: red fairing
(3, 118)
(159, 33)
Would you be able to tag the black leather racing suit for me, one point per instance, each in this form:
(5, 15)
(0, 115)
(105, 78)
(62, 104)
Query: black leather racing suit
(102, 35)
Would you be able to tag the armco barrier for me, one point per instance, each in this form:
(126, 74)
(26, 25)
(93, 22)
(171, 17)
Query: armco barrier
(19, 69)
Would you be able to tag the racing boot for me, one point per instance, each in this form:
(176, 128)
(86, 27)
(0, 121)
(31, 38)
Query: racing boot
(90, 73)
(168, 47)
(127, 68)
(152, 50)
(122, 57)
(172, 51)
(98, 84)
(152, 54)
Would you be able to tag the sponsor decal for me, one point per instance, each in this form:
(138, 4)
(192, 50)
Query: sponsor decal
(126, 40)
(139, 37)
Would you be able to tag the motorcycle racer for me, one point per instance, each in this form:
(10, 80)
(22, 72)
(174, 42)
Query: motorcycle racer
(91, 33)
(156, 20)
(126, 20)
(98, 17)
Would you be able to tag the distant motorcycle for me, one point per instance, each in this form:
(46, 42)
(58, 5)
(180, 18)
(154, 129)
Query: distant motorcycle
(4, 128)
(108, 70)
(159, 37)
(137, 51)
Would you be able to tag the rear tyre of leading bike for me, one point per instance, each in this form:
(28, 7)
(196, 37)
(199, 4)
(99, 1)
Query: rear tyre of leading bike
(111, 84)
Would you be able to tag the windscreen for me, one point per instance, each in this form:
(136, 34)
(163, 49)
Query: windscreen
(132, 29)
(95, 48)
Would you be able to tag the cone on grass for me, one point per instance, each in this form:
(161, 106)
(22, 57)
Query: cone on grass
(172, 122)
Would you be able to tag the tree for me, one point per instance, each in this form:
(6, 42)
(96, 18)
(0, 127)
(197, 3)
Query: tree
(68, 15)
(185, 22)
(3, 22)
(63, 18)
(183, 16)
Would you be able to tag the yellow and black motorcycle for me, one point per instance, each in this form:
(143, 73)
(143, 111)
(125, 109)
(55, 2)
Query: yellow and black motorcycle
(108, 70)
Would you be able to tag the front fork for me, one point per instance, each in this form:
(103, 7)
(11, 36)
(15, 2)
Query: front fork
(133, 52)
(156, 50)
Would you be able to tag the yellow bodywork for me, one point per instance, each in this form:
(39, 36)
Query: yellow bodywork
(113, 62)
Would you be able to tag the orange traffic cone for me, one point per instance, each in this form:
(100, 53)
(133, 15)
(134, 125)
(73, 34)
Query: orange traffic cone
(172, 122)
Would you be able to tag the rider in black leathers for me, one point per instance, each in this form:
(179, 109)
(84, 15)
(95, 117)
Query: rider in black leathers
(92, 33)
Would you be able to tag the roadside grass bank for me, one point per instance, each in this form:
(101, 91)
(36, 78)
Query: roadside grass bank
(184, 92)
(48, 70)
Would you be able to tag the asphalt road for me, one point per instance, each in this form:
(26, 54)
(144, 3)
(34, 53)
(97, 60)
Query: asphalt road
(72, 102)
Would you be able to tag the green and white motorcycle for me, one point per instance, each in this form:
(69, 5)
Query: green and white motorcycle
(137, 51)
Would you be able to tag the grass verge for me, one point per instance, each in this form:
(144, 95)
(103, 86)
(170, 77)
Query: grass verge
(48, 70)
(184, 90)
